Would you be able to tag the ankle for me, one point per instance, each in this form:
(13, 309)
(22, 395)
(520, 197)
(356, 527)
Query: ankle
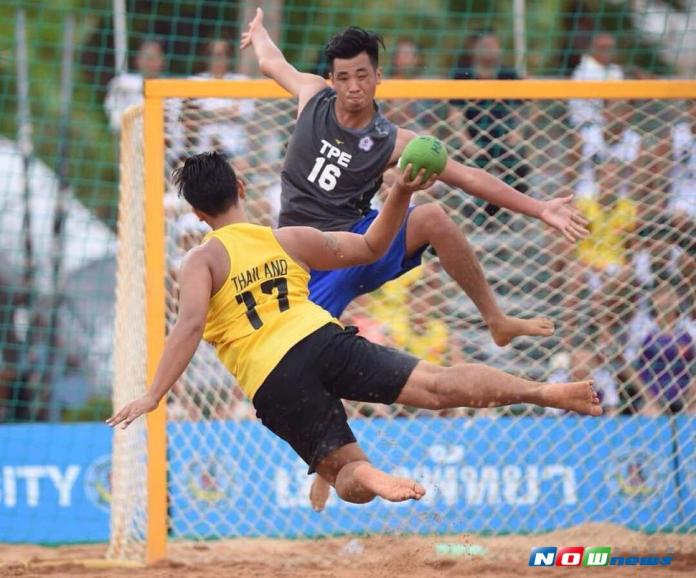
(495, 321)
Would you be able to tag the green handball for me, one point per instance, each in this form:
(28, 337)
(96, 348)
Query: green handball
(424, 152)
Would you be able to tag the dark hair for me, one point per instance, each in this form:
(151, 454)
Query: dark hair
(208, 182)
(353, 41)
(465, 60)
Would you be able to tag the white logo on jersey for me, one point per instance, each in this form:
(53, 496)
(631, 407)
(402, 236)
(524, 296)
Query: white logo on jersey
(366, 143)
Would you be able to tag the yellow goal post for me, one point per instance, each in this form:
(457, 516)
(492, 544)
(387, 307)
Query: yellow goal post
(142, 521)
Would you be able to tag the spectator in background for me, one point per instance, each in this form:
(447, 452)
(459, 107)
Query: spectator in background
(606, 189)
(218, 123)
(589, 363)
(668, 204)
(601, 279)
(682, 154)
(358, 315)
(417, 115)
(597, 64)
(71, 387)
(666, 360)
(11, 384)
(126, 90)
(490, 129)
(611, 143)
(422, 332)
(612, 217)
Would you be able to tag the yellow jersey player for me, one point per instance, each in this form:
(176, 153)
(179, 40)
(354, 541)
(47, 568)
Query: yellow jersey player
(245, 289)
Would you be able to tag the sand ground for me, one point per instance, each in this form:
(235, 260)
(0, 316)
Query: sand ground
(376, 557)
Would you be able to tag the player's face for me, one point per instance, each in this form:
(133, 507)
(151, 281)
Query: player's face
(355, 81)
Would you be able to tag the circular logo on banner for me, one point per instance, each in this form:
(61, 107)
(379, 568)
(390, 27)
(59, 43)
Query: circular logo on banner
(209, 478)
(636, 474)
(98, 482)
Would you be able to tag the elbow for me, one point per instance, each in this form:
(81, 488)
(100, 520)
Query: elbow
(264, 66)
(191, 328)
(375, 254)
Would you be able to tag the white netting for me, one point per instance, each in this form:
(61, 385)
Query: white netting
(129, 464)
(622, 302)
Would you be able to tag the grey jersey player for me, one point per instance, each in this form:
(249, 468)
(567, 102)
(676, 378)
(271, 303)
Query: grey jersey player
(328, 180)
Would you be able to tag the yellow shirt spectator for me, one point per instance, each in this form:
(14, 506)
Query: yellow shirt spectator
(430, 342)
(605, 246)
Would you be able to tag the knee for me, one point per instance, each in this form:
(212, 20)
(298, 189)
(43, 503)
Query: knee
(433, 219)
(442, 389)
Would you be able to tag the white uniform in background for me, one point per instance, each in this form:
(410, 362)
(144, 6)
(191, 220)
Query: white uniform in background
(595, 151)
(126, 90)
(230, 134)
(683, 175)
(589, 111)
(122, 92)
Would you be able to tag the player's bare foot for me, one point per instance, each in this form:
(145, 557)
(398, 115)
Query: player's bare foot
(507, 328)
(389, 487)
(400, 490)
(577, 396)
(319, 493)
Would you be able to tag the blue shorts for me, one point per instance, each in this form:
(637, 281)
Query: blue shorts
(334, 290)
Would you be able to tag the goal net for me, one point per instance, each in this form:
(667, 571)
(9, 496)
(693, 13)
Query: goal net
(621, 300)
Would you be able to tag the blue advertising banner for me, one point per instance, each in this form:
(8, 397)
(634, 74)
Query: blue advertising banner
(530, 474)
(685, 478)
(481, 474)
(54, 483)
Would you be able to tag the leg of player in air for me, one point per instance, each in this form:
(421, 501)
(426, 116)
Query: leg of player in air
(434, 387)
(429, 225)
(475, 385)
(357, 481)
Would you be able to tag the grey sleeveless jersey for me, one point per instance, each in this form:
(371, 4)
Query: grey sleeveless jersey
(331, 173)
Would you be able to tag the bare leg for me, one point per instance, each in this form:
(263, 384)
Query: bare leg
(475, 385)
(357, 481)
(429, 224)
(319, 493)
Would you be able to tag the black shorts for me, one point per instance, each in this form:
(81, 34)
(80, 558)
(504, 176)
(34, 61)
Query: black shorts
(300, 401)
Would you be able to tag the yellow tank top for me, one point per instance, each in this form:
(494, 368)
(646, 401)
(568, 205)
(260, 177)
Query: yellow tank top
(262, 309)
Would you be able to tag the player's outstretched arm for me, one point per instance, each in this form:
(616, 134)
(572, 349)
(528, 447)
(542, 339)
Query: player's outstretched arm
(195, 284)
(274, 65)
(334, 250)
(557, 213)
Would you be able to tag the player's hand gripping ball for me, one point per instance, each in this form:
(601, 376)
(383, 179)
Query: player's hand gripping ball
(424, 152)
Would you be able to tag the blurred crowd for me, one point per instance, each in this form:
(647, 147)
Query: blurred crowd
(622, 299)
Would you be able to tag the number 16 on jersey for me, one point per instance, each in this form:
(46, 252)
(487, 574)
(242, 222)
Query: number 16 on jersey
(328, 177)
